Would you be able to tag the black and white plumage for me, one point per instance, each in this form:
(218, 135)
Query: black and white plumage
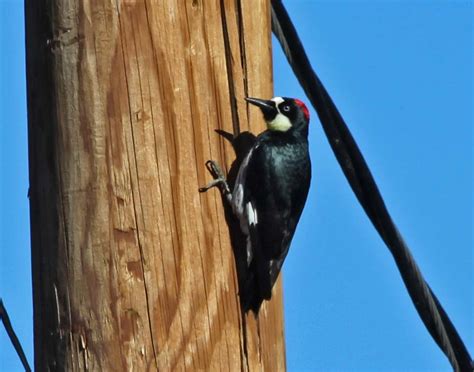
(270, 189)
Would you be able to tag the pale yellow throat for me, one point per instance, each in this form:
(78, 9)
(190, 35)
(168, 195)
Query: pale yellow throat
(281, 123)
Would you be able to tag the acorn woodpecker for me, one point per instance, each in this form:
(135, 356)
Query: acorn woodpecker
(270, 189)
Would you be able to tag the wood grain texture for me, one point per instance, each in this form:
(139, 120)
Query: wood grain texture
(132, 267)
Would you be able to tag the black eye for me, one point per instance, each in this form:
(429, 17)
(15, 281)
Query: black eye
(286, 108)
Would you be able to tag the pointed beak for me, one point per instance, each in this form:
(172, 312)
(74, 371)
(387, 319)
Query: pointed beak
(268, 107)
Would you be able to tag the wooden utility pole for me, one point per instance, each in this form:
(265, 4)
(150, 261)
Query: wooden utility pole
(132, 267)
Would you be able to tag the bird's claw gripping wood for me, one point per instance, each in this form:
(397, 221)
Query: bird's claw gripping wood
(219, 178)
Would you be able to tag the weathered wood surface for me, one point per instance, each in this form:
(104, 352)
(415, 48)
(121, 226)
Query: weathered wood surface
(132, 267)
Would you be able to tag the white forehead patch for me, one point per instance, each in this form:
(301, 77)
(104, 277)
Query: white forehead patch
(277, 100)
(281, 123)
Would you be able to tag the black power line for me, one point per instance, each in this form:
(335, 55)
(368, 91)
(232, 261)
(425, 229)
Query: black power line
(363, 184)
(13, 338)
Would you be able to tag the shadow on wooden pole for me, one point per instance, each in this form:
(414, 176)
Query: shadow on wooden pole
(132, 267)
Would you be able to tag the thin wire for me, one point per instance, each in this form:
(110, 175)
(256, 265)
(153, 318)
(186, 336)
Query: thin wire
(363, 184)
(13, 338)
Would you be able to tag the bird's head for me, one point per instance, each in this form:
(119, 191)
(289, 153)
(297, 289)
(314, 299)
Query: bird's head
(281, 113)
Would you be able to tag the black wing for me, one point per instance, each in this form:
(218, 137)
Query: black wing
(276, 186)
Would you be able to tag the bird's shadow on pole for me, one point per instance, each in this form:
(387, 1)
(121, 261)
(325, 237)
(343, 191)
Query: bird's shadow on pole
(250, 298)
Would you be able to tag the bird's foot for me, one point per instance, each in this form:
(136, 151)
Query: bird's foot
(219, 178)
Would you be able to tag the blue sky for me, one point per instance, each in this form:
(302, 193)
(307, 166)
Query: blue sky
(401, 74)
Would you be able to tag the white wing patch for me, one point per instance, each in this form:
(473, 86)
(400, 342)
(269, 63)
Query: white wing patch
(251, 214)
(246, 213)
(238, 194)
